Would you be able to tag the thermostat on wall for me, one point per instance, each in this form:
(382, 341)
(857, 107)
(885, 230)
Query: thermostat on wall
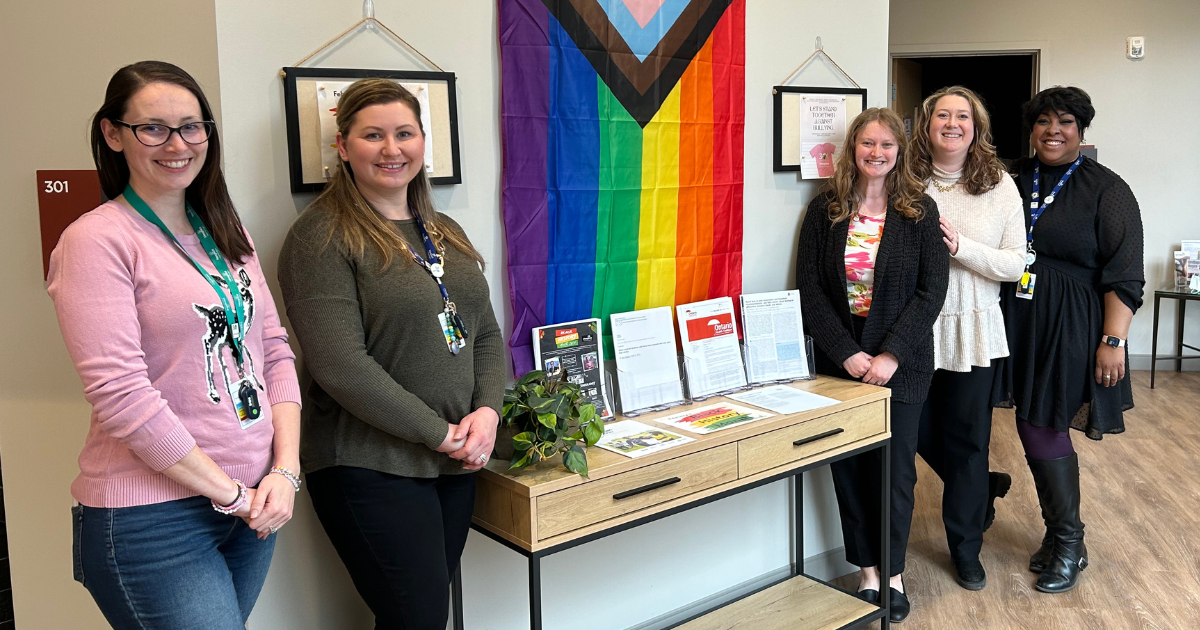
(1135, 47)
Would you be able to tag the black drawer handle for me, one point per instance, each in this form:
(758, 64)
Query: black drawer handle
(819, 436)
(654, 486)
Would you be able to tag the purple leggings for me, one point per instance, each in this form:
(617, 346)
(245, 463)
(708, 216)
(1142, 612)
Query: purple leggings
(1044, 442)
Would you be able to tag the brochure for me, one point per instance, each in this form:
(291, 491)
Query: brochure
(647, 365)
(713, 418)
(710, 343)
(784, 399)
(774, 334)
(574, 347)
(634, 439)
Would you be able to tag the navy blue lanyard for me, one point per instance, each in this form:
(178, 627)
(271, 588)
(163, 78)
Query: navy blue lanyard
(433, 263)
(1036, 207)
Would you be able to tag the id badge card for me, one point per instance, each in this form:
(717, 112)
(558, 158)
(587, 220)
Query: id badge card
(453, 341)
(249, 410)
(1025, 285)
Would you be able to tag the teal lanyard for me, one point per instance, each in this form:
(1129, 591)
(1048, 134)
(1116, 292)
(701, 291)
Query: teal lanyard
(218, 261)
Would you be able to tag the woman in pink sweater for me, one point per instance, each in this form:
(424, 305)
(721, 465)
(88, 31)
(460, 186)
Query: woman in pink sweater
(190, 459)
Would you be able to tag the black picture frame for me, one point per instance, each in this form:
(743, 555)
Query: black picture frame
(297, 147)
(777, 95)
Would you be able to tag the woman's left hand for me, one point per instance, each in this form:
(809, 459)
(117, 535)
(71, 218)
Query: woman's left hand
(1110, 362)
(950, 237)
(883, 367)
(272, 506)
(479, 427)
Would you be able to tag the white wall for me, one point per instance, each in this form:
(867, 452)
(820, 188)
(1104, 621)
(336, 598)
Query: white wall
(741, 538)
(1142, 128)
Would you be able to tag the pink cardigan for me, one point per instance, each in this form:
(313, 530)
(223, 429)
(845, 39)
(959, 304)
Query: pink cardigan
(139, 323)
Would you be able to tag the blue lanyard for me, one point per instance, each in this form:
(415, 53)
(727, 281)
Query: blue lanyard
(236, 328)
(433, 263)
(1035, 208)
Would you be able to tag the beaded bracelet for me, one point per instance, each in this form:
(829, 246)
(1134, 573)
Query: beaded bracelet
(287, 474)
(237, 503)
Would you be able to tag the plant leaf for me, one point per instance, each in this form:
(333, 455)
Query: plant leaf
(578, 435)
(521, 460)
(511, 397)
(548, 420)
(523, 441)
(593, 431)
(507, 411)
(541, 405)
(547, 449)
(531, 376)
(586, 413)
(576, 461)
(561, 405)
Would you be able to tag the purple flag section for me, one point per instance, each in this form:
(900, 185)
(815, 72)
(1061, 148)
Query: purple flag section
(524, 114)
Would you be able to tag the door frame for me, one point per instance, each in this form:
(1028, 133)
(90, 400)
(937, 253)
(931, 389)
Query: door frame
(1037, 50)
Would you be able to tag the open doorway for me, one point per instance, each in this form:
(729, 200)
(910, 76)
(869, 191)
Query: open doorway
(1005, 81)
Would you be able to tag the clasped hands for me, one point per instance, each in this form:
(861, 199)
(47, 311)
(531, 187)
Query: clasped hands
(877, 370)
(471, 440)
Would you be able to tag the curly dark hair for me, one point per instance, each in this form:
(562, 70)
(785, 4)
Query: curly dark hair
(1069, 99)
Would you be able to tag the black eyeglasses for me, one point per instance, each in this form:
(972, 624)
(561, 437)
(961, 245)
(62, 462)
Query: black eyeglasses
(157, 134)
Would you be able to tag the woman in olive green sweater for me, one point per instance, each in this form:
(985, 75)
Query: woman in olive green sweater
(389, 304)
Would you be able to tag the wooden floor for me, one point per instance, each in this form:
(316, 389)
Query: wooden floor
(1141, 509)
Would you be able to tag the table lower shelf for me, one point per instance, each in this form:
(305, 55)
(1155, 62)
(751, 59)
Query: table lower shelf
(800, 603)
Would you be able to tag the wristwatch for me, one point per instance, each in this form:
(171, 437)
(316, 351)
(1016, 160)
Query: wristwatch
(1110, 340)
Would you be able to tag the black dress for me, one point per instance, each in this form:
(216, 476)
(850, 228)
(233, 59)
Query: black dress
(1088, 243)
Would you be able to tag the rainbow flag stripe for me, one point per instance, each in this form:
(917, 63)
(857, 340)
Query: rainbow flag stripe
(623, 125)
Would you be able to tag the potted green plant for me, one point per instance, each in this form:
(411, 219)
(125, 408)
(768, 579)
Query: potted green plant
(550, 417)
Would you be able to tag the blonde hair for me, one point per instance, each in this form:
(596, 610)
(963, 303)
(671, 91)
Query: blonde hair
(356, 224)
(904, 191)
(983, 169)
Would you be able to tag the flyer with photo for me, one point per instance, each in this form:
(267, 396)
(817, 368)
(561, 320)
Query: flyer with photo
(634, 439)
(710, 343)
(575, 348)
(822, 134)
(713, 418)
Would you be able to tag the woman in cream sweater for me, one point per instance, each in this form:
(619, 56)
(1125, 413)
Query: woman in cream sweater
(984, 229)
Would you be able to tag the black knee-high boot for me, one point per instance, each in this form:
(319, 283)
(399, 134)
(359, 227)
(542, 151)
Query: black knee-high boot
(1057, 482)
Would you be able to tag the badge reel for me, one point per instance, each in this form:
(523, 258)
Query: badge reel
(249, 411)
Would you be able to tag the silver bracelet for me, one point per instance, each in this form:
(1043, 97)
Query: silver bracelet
(287, 474)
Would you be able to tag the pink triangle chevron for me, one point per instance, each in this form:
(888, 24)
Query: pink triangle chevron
(643, 10)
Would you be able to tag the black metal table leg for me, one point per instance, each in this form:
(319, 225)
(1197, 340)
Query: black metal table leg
(456, 599)
(1154, 343)
(798, 524)
(1180, 315)
(885, 546)
(535, 592)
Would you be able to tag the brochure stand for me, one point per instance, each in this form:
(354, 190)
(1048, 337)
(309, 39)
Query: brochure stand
(808, 355)
(618, 378)
(694, 370)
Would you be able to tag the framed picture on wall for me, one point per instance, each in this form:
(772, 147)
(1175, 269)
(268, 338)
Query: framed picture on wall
(810, 127)
(310, 97)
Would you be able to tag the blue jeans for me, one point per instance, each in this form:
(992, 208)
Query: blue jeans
(170, 566)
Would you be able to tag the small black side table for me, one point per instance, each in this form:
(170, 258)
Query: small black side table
(1182, 296)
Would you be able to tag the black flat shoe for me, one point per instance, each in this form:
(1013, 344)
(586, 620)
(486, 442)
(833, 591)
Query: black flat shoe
(869, 595)
(998, 485)
(900, 606)
(970, 575)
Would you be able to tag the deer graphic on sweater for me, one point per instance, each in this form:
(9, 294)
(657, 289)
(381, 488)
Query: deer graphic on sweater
(219, 334)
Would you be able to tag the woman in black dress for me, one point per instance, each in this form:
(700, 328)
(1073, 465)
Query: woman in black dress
(1068, 317)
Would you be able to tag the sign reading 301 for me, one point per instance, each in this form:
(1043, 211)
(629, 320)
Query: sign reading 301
(64, 196)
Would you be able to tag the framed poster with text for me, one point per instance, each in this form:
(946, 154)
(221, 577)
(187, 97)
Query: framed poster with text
(810, 127)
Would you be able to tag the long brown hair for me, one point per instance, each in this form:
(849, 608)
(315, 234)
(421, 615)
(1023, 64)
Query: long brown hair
(983, 168)
(355, 222)
(207, 195)
(904, 191)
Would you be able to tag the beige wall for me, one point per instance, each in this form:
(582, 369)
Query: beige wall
(1141, 128)
(58, 58)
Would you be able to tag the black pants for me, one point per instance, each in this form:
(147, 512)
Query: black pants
(856, 483)
(956, 429)
(400, 538)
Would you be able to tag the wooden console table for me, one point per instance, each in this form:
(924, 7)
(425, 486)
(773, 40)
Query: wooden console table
(546, 509)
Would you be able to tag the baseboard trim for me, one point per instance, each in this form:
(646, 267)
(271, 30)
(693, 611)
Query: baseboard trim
(824, 566)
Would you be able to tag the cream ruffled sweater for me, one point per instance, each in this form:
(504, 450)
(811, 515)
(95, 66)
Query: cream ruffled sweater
(991, 250)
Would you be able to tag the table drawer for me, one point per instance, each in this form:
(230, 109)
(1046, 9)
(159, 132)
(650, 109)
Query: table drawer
(595, 501)
(805, 439)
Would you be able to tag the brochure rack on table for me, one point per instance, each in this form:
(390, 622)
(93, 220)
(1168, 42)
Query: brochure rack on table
(545, 509)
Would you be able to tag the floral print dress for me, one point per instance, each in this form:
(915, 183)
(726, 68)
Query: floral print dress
(862, 244)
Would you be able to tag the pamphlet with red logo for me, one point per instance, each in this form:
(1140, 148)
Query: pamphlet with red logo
(710, 344)
(574, 348)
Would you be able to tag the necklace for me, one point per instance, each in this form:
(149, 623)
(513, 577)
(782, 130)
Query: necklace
(943, 188)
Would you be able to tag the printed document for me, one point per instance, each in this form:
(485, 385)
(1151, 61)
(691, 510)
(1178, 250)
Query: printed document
(784, 399)
(710, 343)
(634, 439)
(774, 333)
(647, 365)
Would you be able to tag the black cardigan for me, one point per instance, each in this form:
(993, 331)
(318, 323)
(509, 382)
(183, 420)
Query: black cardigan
(912, 269)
